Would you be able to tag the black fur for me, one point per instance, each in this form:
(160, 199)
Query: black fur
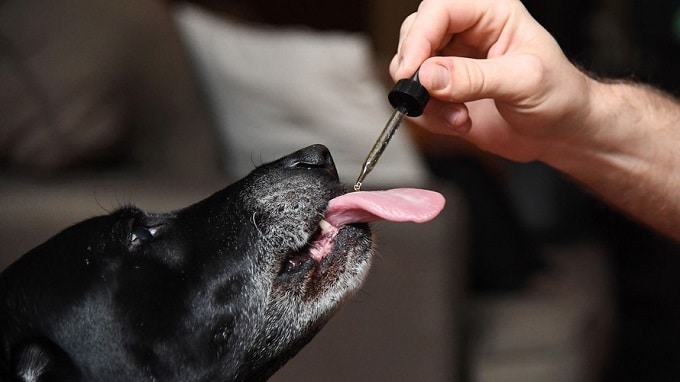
(222, 290)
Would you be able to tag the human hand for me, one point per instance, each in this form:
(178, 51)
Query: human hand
(496, 77)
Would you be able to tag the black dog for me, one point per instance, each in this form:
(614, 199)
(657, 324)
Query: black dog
(227, 289)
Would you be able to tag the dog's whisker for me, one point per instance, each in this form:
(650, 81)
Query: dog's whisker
(96, 199)
(253, 219)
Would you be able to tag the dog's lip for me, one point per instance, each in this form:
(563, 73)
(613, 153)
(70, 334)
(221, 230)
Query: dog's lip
(319, 244)
(323, 241)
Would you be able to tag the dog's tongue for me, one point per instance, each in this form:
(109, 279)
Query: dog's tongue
(396, 205)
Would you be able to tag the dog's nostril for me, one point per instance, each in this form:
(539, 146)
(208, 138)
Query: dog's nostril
(312, 157)
(304, 164)
(315, 156)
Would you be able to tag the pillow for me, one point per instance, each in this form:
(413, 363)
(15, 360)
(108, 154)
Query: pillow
(274, 90)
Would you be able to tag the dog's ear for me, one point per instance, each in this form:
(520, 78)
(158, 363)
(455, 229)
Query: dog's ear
(42, 361)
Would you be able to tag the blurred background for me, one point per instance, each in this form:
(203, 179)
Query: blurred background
(525, 277)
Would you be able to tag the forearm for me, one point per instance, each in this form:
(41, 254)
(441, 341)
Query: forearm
(629, 153)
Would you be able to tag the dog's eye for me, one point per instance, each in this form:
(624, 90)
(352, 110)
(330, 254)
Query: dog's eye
(140, 233)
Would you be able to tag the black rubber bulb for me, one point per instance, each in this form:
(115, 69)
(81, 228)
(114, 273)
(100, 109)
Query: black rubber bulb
(409, 96)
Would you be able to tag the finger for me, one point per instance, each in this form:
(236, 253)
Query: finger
(511, 78)
(433, 25)
(396, 60)
(445, 118)
(477, 122)
(405, 28)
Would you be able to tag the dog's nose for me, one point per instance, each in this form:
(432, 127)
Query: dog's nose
(314, 156)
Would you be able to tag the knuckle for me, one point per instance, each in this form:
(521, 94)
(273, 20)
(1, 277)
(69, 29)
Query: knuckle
(534, 72)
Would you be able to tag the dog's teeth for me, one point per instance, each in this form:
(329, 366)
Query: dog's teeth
(324, 225)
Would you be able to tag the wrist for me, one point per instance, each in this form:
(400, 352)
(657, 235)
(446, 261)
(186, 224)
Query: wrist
(601, 130)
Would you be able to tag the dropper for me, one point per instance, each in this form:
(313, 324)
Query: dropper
(408, 97)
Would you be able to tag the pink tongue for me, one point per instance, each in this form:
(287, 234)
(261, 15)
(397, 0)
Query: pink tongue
(396, 205)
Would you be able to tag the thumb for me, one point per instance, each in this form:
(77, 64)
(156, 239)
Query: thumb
(507, 78)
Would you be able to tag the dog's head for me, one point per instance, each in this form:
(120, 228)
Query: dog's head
(226, 289)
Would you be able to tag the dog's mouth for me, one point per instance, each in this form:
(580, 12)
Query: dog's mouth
(396, 205)
(319, 245)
